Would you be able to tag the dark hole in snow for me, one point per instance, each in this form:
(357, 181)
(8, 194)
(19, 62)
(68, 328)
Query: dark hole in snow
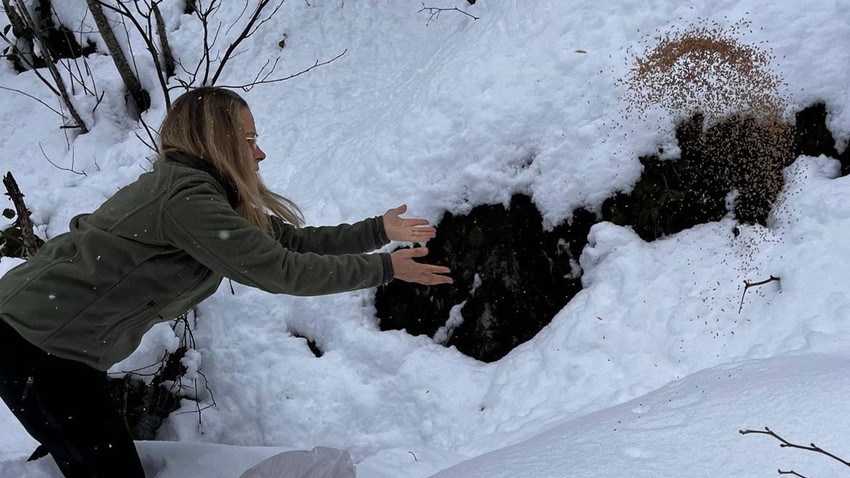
(511, 276)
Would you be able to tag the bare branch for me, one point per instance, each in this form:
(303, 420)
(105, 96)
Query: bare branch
(435, 12)
(71, 169)
(19, 26)
(50, 63)
(172, 376)
(747, 285)
(205, 60)
(150, 142)
(33, 97)
(22, 31)
(23, 58)
(24, 221)
(72, 67)
(167, 56)
(264, 80)
(147, 37)
(250, 28)
(78, 76)
(99, 99)
(787, 444)
(86, 71)
(140, 97)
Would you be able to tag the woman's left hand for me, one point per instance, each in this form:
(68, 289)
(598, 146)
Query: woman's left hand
(407, 230)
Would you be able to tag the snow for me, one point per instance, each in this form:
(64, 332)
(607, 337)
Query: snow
(650, 371)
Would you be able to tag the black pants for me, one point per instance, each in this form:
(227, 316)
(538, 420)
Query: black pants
(67, 407)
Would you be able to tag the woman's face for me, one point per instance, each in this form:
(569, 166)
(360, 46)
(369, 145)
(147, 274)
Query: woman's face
(257, 154)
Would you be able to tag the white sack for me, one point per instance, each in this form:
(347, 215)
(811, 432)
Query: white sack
(320, 462)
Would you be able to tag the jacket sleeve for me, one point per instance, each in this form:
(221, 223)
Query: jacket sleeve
(363, 236)
(197, 218)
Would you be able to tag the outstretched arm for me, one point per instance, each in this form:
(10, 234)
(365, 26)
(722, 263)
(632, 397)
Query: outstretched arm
(363, 236)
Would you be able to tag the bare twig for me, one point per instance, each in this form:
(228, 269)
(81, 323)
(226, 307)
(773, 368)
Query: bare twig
(171, 374)
(787, 444)
(146, 34)
(250, 28)
(72, 67)
(205, 60)
(29, 64)
(78, 77)
(24, 221)
(58, 87)
(99, 100)
(264, 79)
(88, 71)
(71, 169)
(33, 97)
(203, 73)
(20, 30)
(50, 63)
(151, 132)
(434, 12)
(187, 340)
(747, 285)
(138, 371)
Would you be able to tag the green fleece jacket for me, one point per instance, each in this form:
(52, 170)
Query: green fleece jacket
(161, 245)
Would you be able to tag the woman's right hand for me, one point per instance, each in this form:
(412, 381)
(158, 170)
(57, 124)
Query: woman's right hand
(408, 270)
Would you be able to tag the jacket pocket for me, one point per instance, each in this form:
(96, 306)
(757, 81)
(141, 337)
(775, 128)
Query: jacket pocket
(119, 322)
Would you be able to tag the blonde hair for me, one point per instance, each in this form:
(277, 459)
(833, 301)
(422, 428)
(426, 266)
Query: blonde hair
(205, 122)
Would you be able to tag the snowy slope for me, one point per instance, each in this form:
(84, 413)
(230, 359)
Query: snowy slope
(439, 113)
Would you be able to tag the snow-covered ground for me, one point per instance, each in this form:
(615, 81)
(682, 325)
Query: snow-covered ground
(650, 371)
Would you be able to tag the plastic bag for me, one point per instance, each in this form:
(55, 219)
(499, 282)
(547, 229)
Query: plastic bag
(320, 462)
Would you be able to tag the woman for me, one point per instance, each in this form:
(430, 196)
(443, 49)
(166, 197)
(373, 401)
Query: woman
(152, 251)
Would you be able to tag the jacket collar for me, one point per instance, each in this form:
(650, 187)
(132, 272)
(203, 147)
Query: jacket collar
(207, 167)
